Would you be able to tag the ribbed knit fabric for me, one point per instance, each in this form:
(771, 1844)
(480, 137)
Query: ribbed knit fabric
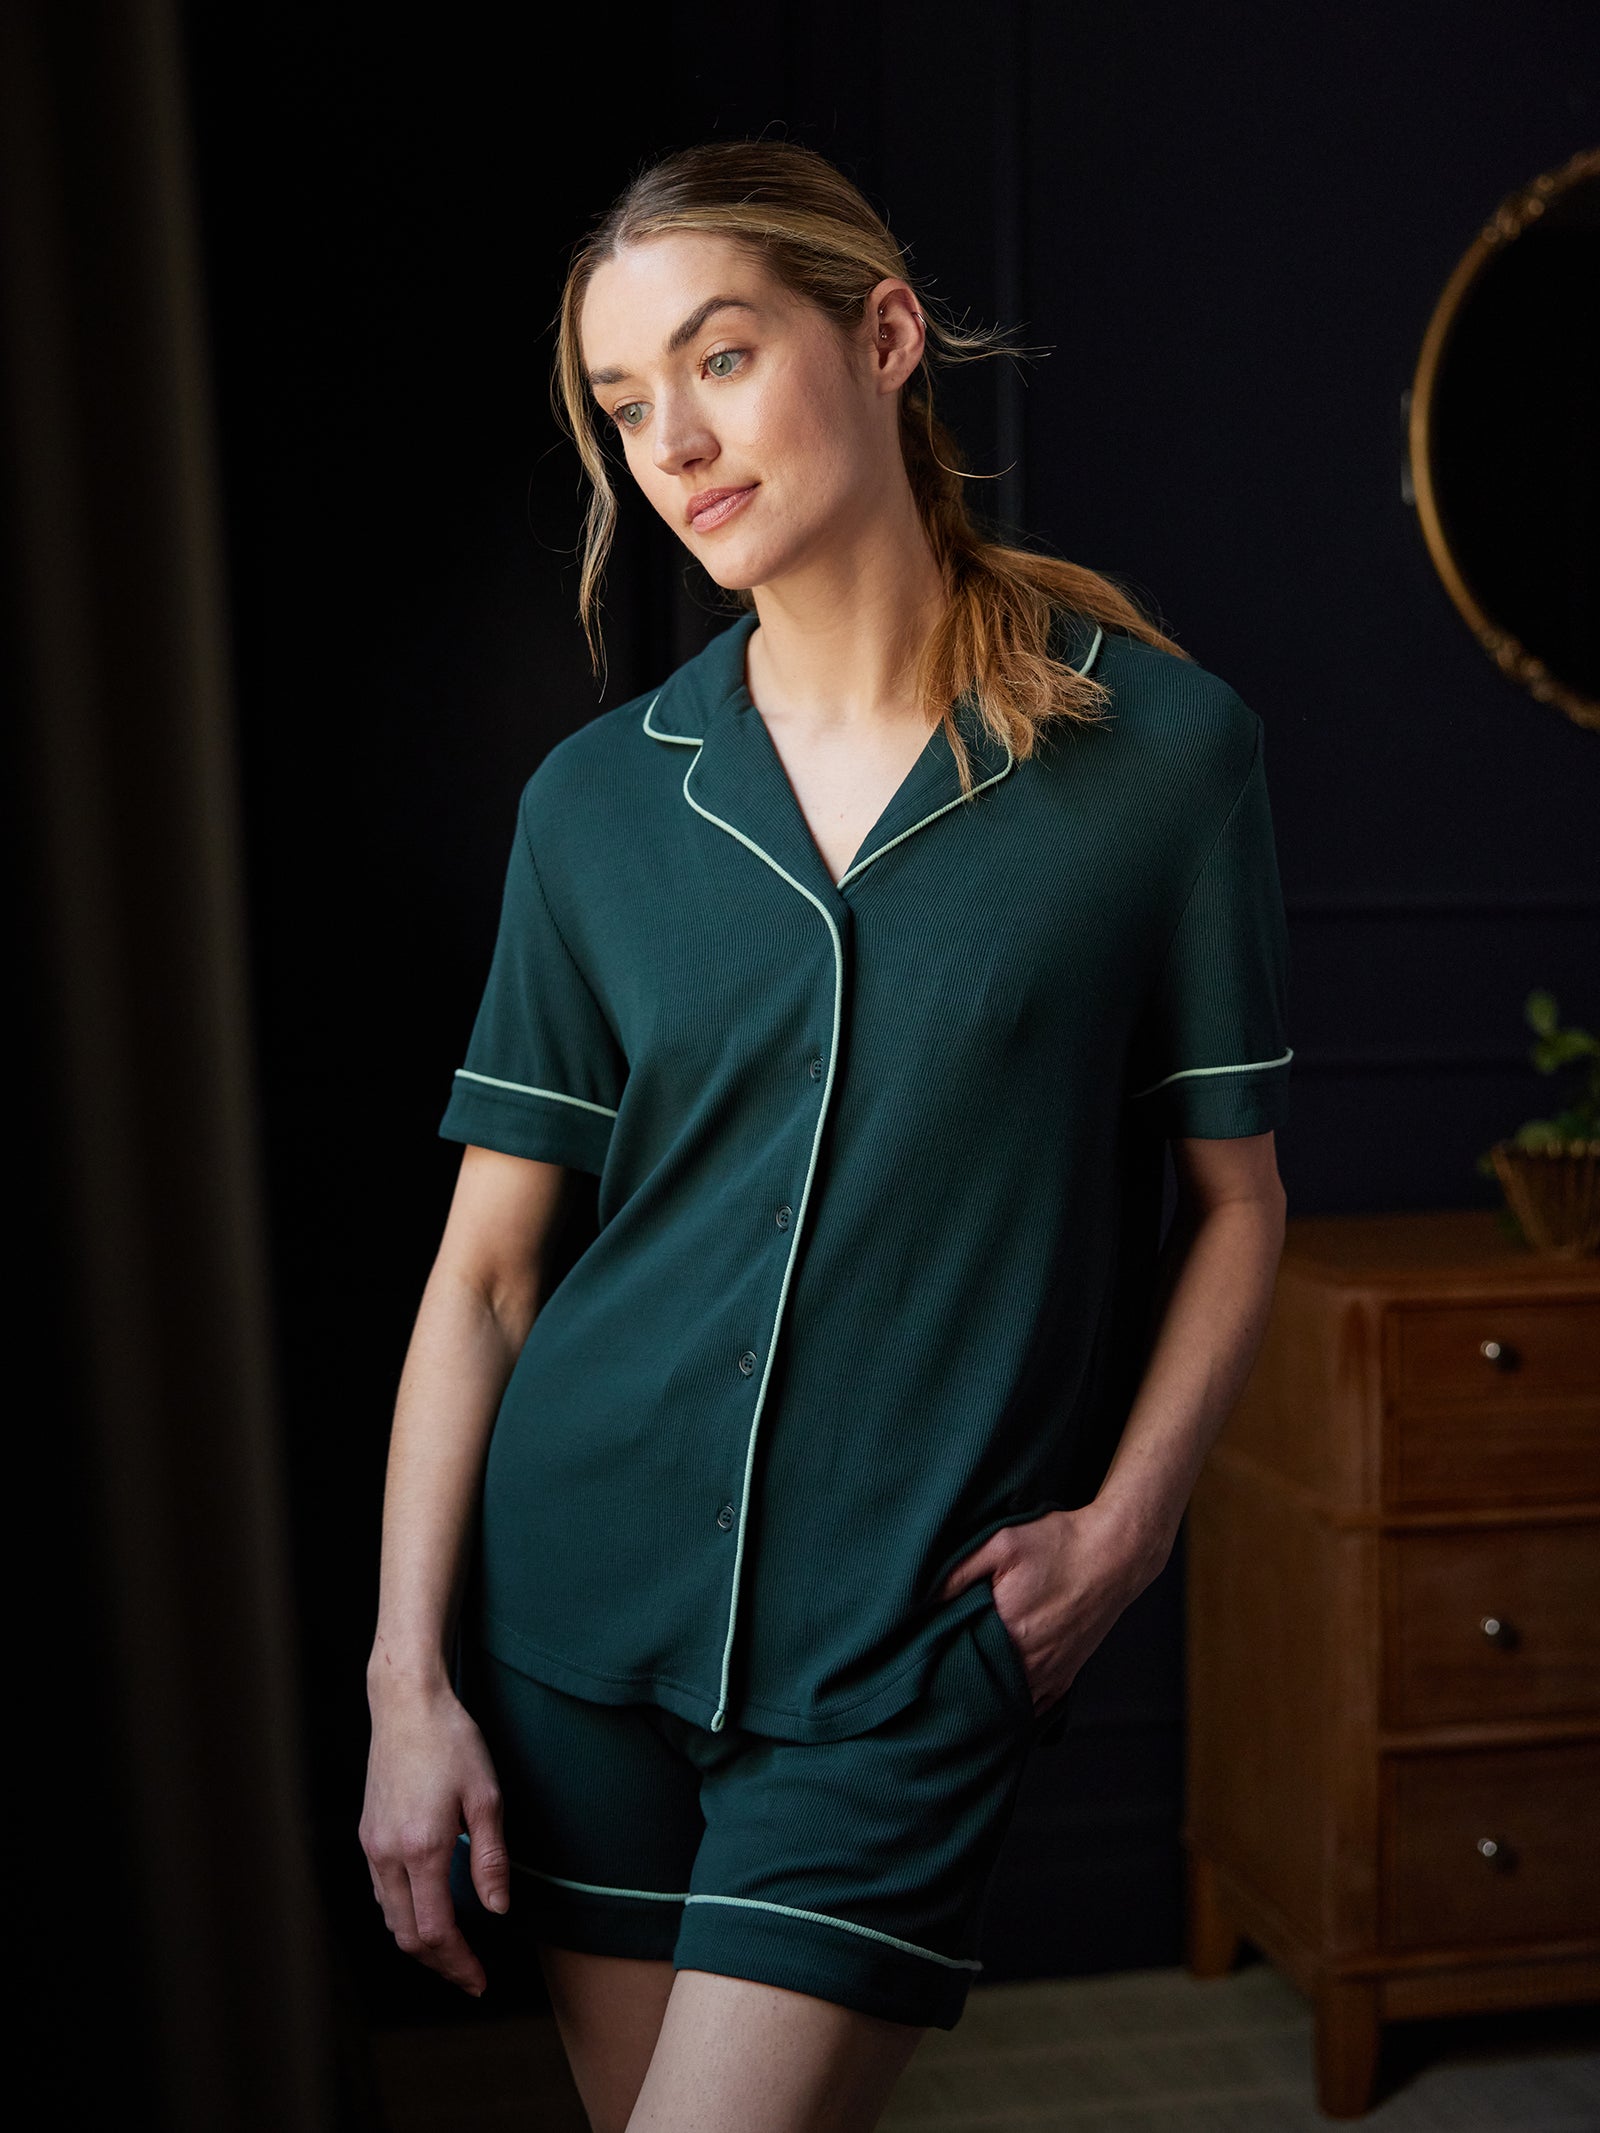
(876, 1160)
(854, 1870)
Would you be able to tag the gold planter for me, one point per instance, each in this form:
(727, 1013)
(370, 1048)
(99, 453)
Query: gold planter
(1554, 1193)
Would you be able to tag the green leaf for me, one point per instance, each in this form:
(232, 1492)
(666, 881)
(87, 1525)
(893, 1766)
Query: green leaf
(1538, 1133)
(1542, 1013)
(1570, 1044)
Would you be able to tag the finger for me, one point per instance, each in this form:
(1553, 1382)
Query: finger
(486, 1842)
(441, 1944)
(398, 1895)
(971, 1570)
(393, 1891)
(451, 1957)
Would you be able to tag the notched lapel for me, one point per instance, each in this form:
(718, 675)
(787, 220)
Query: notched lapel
(734, 777)
(738, 780)
(933, 786)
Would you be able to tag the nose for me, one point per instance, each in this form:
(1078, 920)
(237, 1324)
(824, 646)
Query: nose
(682, 440)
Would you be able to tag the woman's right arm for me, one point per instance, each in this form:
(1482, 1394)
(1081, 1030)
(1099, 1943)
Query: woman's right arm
(429, 1773)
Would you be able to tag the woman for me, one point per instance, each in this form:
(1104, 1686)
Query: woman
(869, 962)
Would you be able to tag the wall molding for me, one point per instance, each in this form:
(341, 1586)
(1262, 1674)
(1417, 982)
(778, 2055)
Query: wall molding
(1406, 1060)
(1444, 903)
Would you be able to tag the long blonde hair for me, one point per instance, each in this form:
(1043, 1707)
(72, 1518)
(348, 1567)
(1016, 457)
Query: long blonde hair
(822, 240)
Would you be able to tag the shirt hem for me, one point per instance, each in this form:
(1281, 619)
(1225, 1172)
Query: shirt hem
(777, 1722)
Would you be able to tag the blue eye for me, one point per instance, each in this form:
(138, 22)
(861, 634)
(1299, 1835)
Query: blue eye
(630, 416)
(731, 356)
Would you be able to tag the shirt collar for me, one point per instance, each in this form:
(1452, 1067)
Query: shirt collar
(714, 679)
(735, 777)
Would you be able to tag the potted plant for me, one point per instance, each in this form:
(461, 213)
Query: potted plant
(1549, 1169)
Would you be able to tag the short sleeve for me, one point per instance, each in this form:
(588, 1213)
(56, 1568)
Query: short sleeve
(543, 1073)
(1211, 1056)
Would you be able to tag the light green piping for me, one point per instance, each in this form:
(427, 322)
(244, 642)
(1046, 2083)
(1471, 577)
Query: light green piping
(751, 1903)
(598, 1888)
(859, 865)
(687, 740)
(960, 800)
(1248, 1066)
(847, 1925)
(589, 1888)
(720, 1716)
(522, 1088)
(694, 740)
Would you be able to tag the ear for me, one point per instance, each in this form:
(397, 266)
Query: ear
(896, 334)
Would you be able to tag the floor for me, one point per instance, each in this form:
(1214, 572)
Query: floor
(1152, 2051)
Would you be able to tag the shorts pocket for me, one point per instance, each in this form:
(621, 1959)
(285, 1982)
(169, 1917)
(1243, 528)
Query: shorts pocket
(994, 1639)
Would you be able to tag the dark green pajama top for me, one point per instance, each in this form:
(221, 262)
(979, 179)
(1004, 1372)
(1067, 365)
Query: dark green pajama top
(861, 1149)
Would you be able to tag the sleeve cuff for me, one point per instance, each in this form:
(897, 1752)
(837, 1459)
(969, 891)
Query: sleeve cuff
(543, 1127)
(1218, 1105)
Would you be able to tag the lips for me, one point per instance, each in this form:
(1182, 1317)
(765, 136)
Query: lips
(712, 507)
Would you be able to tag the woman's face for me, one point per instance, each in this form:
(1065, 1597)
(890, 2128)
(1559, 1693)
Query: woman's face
(763, 435)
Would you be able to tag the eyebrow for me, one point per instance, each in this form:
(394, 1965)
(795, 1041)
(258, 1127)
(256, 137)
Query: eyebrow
(680, 336)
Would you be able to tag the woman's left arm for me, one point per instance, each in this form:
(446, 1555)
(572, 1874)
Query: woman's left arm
(1061, 1580)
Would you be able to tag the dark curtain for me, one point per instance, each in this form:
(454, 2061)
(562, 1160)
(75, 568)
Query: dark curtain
(181, 1945)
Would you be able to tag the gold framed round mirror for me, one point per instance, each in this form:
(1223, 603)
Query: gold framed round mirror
(1504, 437)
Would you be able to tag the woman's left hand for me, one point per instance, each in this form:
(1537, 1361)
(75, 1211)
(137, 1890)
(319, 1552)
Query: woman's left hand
(1060, 1581)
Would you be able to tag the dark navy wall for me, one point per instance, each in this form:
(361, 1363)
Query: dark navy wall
(1231, 223)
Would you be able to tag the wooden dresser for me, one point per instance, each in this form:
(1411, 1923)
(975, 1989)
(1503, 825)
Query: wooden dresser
(1394, 1636)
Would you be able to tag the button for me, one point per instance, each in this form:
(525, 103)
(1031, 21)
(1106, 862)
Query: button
(726, 1516)
(816, 1070)
(784, 1217)
(748, 1361)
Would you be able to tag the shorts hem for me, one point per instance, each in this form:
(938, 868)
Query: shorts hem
(594, 1921)
(827, 1962)
(829, 1959)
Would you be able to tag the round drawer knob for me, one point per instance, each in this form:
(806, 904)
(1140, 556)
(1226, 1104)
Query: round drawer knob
(1500, 1353)
(1495, 1852)
(1500, 1633)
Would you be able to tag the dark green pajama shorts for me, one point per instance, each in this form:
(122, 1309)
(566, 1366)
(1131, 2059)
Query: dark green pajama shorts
(854, 1870)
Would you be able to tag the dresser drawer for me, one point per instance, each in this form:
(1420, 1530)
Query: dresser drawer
(1451, 1459)
(1491, 1846)
(1492, 1623)
(1491, 1403)
(1504, 1354)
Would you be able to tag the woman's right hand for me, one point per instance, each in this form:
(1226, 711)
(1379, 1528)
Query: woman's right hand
(429, 1776)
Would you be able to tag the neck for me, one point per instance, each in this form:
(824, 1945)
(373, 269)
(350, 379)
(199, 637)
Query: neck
(839, 636)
